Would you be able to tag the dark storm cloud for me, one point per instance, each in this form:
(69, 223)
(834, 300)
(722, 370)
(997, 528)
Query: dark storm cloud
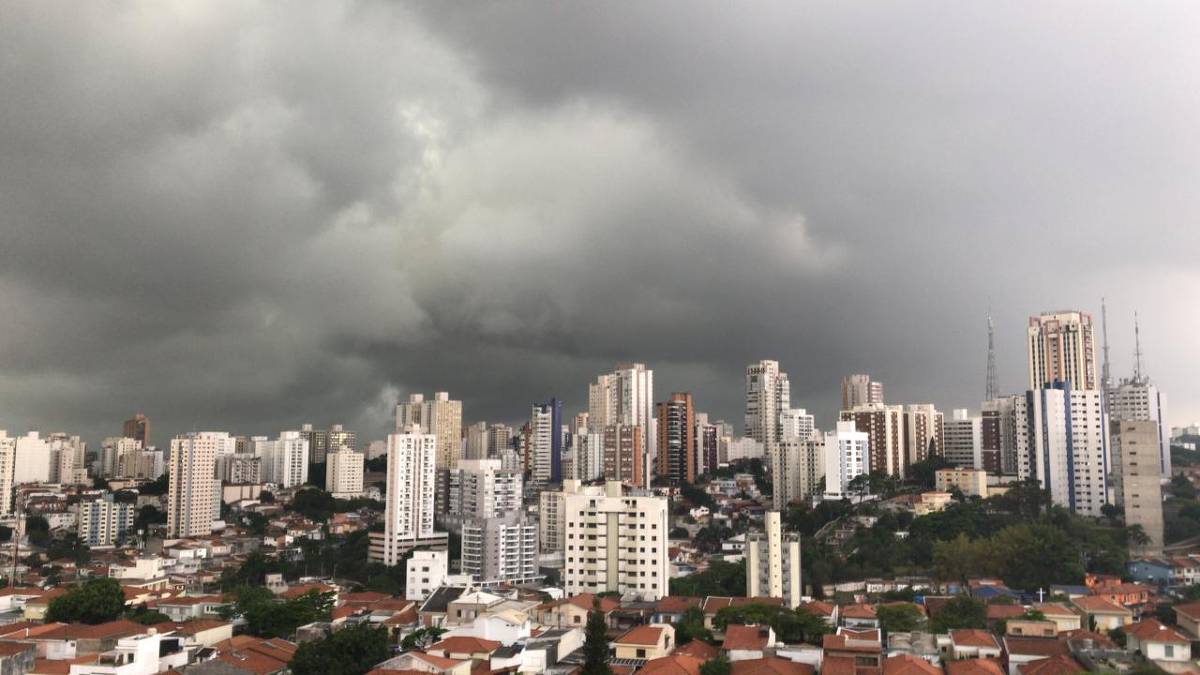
(249, 216)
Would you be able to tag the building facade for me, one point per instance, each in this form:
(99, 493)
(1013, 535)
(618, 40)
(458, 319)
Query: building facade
(797, 467)
(344, 473)
(616, 540)
(860, 389)
(103, 522)
(285, 459)
(773, 563)
(884, 426)
(768, 394)
(625, 397)
(409, 505)
(441, 417)
(846, 458)
(964, 440)
(1063, 444)
(481, 488)
(500, 550)
(191, 481)
(1062, 348)
(546, 441)
(1138, 479)
(676, 438)
(623, 455)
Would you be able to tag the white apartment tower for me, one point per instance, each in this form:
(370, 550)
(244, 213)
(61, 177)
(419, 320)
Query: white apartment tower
(797, 423)
(440, 417)
(773, 563)
(481, 488)
(191, 481)
(8, 457)
(964, 440)
(284, 460)
(797, 467)
(923, 432)
(846, 458)
(542, 434)
(1063, 443)
(552, 526)
(67, 459)
(32, 463)
(1138, 399)
(500, 550)
(768, 394)
(1062, 348)
(344, 473)
(424, 574)
(408, 513)
(626, 397)
(860, 389)
(616, 540)
(475, 443)
(102, 521)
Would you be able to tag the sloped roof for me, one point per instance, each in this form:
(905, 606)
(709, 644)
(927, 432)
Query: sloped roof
(974, 667)
(745, 638)
(1054, 665)
(907, 664)
(771, 665)
(858, 612)
(698, 648)
(462, 644)
(1094, 604)
(1153, 630)
(973, 637)
(675, 664)
(641, 635)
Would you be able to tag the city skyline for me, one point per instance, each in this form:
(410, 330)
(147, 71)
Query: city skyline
(243, 218)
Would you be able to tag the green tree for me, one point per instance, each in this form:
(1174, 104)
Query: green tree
(350, 651)
(961, 611)
(147, 617)
(94, 601)
(595, 644)
(717, 666)
(158, 486)
(148, 515)
(789, 625)
(960, 557)
(722, 578)
(1036, 555)
(691, 627)
(267, 616)
(37, 529)
(1182, 488)
(421, 638)
(900, 617)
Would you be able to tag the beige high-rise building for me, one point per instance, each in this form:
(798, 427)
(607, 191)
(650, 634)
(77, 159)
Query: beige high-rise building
(67, 459)
(616, 541)
(475, 443)
(768, 393)
(552, 526)
(137, 427)
(860, 389)
(1138, 479)
(409, 507)
(773, 563)
(439, 416)
(626, 397)
(339, 437)
(191, 476)
(1062, 348)
(797, 467)
(964, 440)
(884, 426)
(344, 473)
(924, 432)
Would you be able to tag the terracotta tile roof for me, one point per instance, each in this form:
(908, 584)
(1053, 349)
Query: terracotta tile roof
(640, 635)
(1094, 604)
(81, 631)
(10, 648)
(199, 625)
(393, 671)
(297, 591)
(584, 601)
(1030, 646)
(903, 603)
(1084, 634)
(973, 637)
(714, 603)
(1054, 665)
(818, 608)
(28, 629)
(906, 664)
(461, 644)
(1054, 609)
(436, 661)
(675, 664)
(771, 665)
(676, 604)
(998, 612)
(252, 661)
(974, 667)
(58, 666)
(745, 638)
(837, 665)
(868, 641)
(858, 612)
(698, 648)
(1152, 630)
(1191, 610)
(364, 596)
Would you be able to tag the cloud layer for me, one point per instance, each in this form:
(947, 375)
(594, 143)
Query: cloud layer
(247, 216)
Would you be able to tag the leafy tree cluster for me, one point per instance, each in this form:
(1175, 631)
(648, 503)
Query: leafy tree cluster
(710, 537)
(378, 464)
(422, 638)
(268, 616)
(1181, 521)
(722, 578)
(156, 487)
(790, 625)
(962, 611)
(899, 617)
(595, 644)
(696, 496)
(350, 651)
(94, 601)
(147, 516)
(37, 530)
(691, 627)
(318, 505)
(721, 665)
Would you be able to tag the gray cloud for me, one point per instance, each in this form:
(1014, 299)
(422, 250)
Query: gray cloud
(247, 217)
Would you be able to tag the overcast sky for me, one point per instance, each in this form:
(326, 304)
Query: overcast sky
(244, 216)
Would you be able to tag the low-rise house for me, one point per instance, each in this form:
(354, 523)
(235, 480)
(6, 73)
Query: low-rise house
(1063, 617)
(671, 608)
(826, 610)
(675, 664)
(1102, 614)
(1187, 617)
(974, 667)
(16, 658)
(770, 665)
(144, 654)
(547, 649)
(863, 648)
(644, 642)
(1054, 665)
(928, 646)
(186, 608)
(743, 643)
(1024, 650)
(460, 647)
(71, 641)
(859, 616)
(1185, 571)
(971, 643)
(1133, 596)
(713, 604)
(573, 611)
(1030, 628)
(198, 632)
(254, 655)
(904, 664)
(1155, 571)
(433, 610)
(1158, 642)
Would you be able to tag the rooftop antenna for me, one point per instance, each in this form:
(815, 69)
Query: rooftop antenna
(992, 390)
(1106, 375)
(1137, 350)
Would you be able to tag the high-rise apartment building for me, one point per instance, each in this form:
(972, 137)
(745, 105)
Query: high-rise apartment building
(441, 417)
(860, 389)
(964, 440)
(585, 459)
(616, 540)
(68, 463)
(773, 563)
(626, 397)
(1138, 399)
(1062, 348)
(481, 488)
(285, 459)
(318, 441)
(797, 467)
(676, 439)
(708, 445)
(1138, 479)
(500, 550)
(885, 429)
(32, 463)
(797, 423)
(338, 438)
(768, 393)
(102, 521)
(192, 479)
(409, 506)
(241, 469)
(8, 457)
(344, 473)
(924, 432)
(112, 450)
(499, 440)
(1063, 444)
(623, 455)
(998, 424)
(475, 441)
(552, 526)
(546, 438)
(138, 428)
(846, 458)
